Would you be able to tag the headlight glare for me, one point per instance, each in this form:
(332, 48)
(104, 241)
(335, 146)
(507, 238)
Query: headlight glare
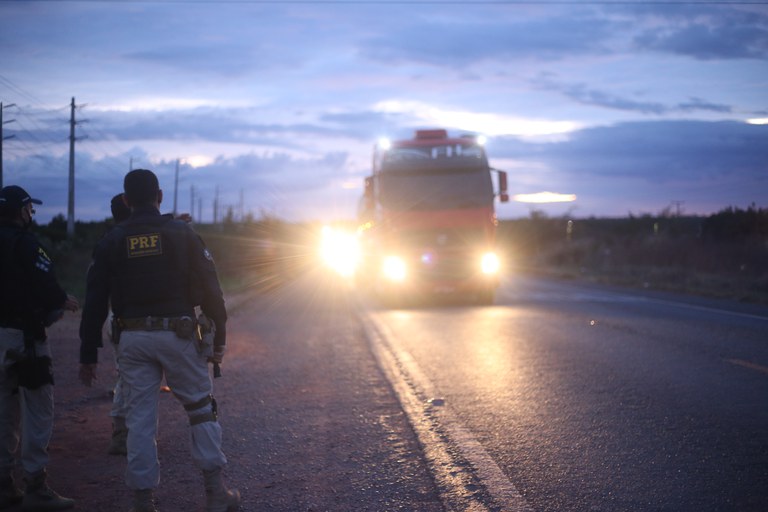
(489, 263)
(340, 251)
(394, 268)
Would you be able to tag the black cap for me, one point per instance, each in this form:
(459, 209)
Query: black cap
(14, 197)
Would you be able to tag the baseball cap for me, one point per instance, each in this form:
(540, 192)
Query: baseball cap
(14, 197)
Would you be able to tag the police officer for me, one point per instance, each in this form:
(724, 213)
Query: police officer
(156, 270)
(117, 443)
(31, 299)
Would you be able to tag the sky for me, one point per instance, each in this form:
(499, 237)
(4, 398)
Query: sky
(272, 108)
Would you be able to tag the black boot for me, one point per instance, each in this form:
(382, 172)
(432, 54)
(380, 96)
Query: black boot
(38, 497)
(10, 495)
(143, 501)
(217, 497)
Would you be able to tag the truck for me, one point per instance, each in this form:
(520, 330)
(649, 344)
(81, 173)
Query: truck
(427, 222)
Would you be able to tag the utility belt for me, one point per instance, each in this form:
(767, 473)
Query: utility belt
(185, 327)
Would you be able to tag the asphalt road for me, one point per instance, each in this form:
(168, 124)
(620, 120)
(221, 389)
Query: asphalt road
(560, 397)
(309, 422)
(566, 397)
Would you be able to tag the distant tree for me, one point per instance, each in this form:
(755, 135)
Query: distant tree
(736, 224)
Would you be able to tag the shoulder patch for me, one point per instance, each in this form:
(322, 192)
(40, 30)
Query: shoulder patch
(147, 244)
(207, 254)
(43, 261)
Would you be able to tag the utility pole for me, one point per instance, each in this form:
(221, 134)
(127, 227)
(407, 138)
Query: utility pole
(216, 206)
(3, 138)
(678, 207)
(192, 200)
(71, 199)
(176, 188)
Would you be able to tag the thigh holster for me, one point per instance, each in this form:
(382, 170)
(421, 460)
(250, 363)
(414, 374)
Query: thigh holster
(202, 411)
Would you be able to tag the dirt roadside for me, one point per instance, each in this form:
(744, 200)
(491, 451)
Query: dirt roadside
(310, 424)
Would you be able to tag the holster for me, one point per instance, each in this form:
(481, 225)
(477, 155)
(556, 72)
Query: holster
(206, 329)
(31, 371)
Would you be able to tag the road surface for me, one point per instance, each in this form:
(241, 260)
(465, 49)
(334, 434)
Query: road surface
(560, 397)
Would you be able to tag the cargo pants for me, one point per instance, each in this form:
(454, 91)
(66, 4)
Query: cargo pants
(144, 357)
(30, 411)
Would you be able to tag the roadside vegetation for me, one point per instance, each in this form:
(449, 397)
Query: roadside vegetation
(722, 255)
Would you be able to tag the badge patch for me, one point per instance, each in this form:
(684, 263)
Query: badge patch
(43, 262)
(150, 244)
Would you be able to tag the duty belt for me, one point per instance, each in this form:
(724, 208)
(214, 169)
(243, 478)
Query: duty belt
(154, 323)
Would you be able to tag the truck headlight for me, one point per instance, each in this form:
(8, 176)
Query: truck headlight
(394, 268)
(489, 263)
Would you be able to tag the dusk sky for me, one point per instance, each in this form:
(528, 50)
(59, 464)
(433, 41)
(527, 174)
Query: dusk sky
(631, 107)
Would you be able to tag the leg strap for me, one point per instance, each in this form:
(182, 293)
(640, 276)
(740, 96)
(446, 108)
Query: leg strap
(196, 419)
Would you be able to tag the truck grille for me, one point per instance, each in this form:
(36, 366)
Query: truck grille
(444, 266)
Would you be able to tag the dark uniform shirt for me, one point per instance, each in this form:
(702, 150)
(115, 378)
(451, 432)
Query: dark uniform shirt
(30, 293)
(149, 265)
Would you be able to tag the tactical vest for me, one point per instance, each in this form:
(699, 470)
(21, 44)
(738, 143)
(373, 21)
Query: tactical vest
(149, 268)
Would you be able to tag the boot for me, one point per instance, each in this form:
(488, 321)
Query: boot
(143, 501)
(117, 445)
(10, 495)
(217, 497)
(38, 497)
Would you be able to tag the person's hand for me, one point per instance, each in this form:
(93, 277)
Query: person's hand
(185, 217)
(218, 354)
(71, 304)
(87, 374)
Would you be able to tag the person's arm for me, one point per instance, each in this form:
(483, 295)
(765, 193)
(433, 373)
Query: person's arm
(212, 298)
(96, 307)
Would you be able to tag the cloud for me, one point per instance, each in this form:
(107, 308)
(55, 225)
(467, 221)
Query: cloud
(544, 197)
(449, 42)
(711, 34)
(586, 95)
(658, 151)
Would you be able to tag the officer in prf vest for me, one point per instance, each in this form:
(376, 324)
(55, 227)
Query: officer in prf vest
(155, 271)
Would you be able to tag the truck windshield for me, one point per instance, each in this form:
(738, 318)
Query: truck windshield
(435, 190)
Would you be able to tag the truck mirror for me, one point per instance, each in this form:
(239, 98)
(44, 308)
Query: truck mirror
(503, 194)
(368, 191)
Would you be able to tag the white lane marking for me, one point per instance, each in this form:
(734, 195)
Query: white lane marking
(438, 428)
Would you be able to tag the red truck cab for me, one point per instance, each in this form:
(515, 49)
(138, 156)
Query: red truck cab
(427, 219)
